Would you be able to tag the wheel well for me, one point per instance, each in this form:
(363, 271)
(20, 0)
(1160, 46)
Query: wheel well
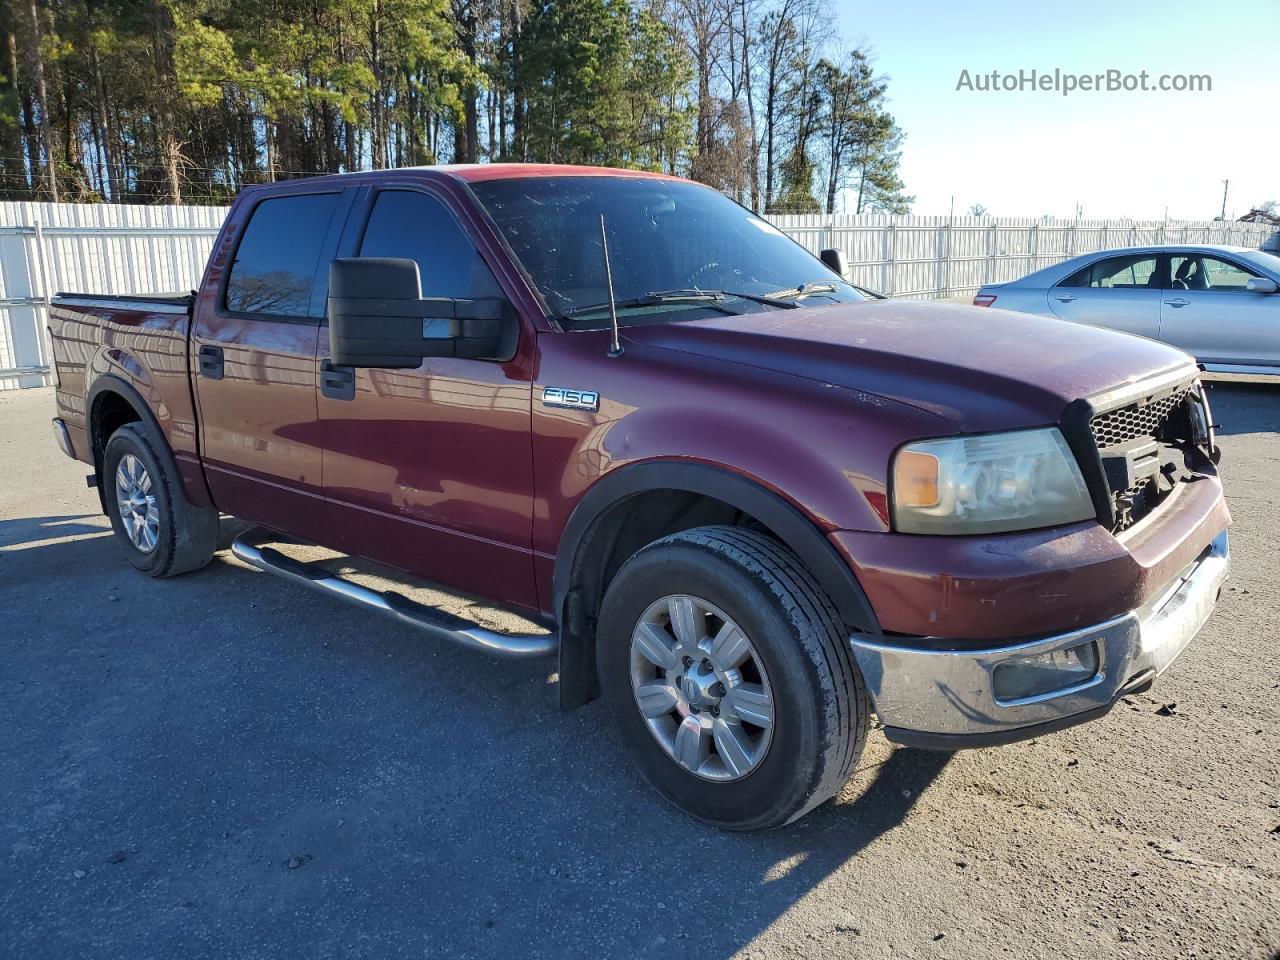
(613, 538)
(110, 412)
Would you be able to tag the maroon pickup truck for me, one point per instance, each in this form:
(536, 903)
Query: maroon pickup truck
(751, 503)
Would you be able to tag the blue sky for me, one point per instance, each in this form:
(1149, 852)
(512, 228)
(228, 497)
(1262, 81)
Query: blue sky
(1116, 154)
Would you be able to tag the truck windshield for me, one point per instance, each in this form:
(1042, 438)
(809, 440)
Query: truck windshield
(678, 250)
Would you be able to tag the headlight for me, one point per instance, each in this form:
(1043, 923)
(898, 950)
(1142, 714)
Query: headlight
(988, 483)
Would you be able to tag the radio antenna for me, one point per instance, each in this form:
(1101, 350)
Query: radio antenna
(615, 346)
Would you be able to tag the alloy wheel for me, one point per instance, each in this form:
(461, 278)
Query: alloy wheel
(701, 687)
(139, 513)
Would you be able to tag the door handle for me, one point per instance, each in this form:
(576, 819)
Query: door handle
(1178, 302)
(1065, 297)
(210, 362)
(337, 383)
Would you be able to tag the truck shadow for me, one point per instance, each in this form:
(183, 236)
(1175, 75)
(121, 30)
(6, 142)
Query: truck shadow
(845, 828)
(24, 530)
(236, 732)
(530, 813)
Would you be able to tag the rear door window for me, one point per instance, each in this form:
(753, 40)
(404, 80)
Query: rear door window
(1129, 272)
(274, 272)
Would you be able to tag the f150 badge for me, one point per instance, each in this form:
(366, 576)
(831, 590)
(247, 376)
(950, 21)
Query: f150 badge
(570, 399)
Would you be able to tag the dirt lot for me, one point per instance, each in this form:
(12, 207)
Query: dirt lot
(227, 765)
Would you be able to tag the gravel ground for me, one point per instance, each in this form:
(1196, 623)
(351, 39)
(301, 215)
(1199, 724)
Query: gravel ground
(228, 765)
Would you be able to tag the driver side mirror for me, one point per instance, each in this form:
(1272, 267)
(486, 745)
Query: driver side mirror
(379, 318)
(1261, 285)
(836, 260)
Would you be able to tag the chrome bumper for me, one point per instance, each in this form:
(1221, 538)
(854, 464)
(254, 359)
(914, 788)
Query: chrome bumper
(63, 437)
(946, 699)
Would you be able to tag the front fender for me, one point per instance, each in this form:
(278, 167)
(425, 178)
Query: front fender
(812, 455)
(823, 448)
(796, 529)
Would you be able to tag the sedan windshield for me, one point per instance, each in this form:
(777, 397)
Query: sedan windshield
(1267, 261)
(678, 250)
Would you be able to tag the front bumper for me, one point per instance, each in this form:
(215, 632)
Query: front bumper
(946, 699)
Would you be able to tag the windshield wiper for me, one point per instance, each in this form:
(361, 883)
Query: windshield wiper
(650, 300)
(768, 299)
(805, 290)
(711, 298)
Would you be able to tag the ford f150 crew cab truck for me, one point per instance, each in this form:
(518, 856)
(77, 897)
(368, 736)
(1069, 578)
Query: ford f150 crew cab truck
(751, 503)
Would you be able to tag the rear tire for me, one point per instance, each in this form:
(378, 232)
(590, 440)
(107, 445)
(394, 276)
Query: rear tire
(160, 533)
(804, 707)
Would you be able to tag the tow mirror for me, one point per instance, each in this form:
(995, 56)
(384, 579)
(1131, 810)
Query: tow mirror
(836, 260)
(379, 318)
(1261, 285)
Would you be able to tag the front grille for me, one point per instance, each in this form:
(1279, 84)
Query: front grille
(1123, 436)
(1134, 420)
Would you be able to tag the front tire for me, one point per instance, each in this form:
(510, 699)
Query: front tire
(161, 534)
(728, 672)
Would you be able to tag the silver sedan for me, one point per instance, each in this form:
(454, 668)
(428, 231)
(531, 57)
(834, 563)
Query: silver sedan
(1220, 304)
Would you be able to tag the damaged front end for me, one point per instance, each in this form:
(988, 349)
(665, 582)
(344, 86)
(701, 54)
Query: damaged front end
(1147, 452)
(1137, 444)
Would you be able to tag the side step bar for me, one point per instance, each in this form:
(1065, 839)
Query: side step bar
(432, 620)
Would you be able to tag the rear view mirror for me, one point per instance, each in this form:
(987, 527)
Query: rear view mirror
(379, 318)
(836, 260)
(1261, 285)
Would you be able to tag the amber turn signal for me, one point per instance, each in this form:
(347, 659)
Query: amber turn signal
(915, 479)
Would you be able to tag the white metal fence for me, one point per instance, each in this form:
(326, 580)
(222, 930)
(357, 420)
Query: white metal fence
(109, 248)
(90, 248)
(936, 257)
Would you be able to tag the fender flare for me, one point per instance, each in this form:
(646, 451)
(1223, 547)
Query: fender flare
(111, 383)
(797, 531)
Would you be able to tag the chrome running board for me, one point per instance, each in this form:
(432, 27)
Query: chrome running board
(432, 620)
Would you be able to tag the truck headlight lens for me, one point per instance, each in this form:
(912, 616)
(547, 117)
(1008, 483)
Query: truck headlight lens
(988, 483)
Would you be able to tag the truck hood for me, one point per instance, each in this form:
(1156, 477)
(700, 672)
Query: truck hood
(980, 369)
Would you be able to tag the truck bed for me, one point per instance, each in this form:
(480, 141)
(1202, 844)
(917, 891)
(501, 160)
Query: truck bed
(139, 339)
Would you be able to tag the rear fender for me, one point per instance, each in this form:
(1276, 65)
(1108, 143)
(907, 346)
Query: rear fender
(192, 479)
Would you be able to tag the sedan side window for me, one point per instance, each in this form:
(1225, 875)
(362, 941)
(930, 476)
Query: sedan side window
(1128, 272)
(1199, 272)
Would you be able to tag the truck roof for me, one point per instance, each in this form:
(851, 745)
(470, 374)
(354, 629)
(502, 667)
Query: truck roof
(478, 172)
(473, 172)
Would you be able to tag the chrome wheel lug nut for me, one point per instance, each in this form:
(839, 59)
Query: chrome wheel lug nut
(718, 689)
(706, 665)
(715, 711)
(687, 661)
